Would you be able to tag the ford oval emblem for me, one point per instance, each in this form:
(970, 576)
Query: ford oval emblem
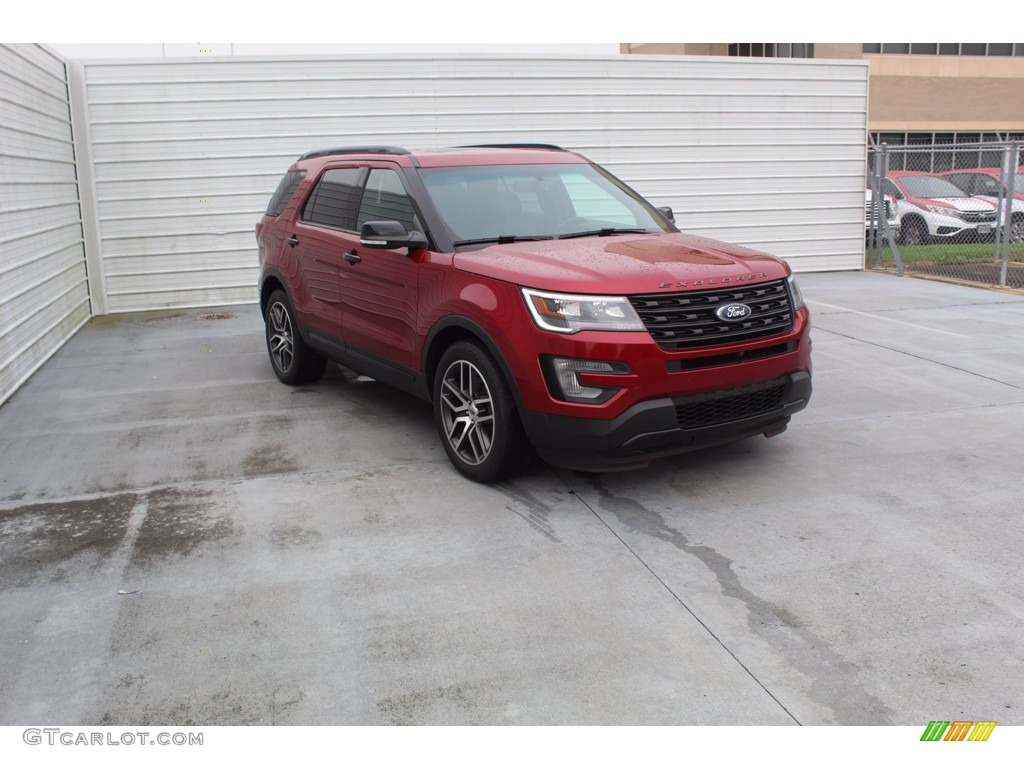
(733, 313)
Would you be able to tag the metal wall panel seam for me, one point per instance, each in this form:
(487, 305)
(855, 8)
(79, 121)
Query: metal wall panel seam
(342, 115)
(39, 309)
(635, 95)
(17, 156)
(181, 289)
(39, 207)
(4, 365)
(191, 251)
(45, 279)
(185, 215)
(35, 232)
(34, 134)
(218, 233)
(39, 257)
(185, 270)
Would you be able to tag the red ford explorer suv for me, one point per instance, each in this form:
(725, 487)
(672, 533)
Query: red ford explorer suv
(538, 302)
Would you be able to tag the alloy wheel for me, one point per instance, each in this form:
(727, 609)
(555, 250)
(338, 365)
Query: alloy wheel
(281, 345)
(467, 412)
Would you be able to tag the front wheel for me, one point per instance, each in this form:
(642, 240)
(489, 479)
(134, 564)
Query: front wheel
(476, 416)
(915, 232)
(1017, 229)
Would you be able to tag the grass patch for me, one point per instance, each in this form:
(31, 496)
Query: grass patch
(952, 253)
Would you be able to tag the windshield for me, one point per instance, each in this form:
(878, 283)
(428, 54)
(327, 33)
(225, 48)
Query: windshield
(930, 186)
(485, 204)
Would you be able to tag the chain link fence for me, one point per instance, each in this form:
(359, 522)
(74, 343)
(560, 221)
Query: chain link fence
(951, 211)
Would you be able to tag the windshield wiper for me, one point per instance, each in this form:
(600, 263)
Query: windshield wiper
(604, 232)
(503, 239)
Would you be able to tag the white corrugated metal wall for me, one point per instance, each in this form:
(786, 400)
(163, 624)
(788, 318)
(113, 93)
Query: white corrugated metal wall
(185, 153)
(44, 297)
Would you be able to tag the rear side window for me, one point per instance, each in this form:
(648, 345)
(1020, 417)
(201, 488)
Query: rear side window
(335, 199)
(285, 189)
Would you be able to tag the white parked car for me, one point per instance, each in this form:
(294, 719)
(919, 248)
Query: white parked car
(932, 208)
(985, 183)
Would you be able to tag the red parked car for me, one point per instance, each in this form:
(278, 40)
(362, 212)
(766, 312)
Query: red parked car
(537, 301)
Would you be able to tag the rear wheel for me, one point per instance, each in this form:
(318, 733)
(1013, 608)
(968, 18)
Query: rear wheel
(293, 361)
(476, 416)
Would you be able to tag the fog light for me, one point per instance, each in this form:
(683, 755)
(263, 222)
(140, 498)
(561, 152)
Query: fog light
(566, 372)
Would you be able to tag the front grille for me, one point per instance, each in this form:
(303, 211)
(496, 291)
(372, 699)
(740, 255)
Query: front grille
(730, 405)
(687, 320)
(871, 210)
(974, 216)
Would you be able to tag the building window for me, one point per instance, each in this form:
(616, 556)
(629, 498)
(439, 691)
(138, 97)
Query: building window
(946, 49)
(941, 151)
(773, 50)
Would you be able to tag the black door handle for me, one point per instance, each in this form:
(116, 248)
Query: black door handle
(352, 258)
(292, 241)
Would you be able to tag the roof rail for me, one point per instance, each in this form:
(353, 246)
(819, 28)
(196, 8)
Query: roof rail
(552, 147)
(374, 149)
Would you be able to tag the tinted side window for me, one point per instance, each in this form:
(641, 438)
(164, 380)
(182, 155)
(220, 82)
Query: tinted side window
(888, 188)
(385, 200)
(962, 180)
(986, 185)
(334, 199)
(285, 189)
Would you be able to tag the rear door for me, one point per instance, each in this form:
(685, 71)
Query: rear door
(324, 232)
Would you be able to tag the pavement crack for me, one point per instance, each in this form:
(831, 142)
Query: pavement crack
(798, 645)
(674, 537)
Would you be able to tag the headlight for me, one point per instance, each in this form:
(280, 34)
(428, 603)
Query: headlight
(944, 211)
(569, 313)
(794, 291)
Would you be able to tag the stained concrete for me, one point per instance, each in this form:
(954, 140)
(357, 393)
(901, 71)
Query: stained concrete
(184, 540)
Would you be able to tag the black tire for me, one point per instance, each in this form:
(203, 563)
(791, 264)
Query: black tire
(915, 232)
(476, 416)
(1017, 229)
(292, 360)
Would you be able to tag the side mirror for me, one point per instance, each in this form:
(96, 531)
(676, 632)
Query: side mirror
(668, 214)
(390, 234)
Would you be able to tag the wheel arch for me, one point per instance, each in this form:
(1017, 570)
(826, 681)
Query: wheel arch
(272, 281)
(458, 328)
(914, 220)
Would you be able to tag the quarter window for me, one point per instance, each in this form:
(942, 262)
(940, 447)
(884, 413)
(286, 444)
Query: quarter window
(285, 189)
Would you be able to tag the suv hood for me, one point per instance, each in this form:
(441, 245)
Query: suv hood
(971, 204)
(622, 264)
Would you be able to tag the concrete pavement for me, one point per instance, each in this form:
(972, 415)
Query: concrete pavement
(184, 540)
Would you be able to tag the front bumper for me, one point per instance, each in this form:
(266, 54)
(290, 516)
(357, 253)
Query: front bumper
(665, 426)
